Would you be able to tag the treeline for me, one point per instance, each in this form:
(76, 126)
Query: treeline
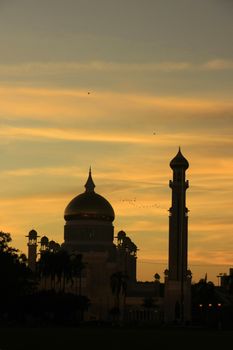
(40, 297)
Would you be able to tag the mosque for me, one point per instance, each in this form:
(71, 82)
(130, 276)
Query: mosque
(89, 231)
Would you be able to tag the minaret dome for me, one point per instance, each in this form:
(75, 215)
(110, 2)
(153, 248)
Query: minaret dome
(179, 161)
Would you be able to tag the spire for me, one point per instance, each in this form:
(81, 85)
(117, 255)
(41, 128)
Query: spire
(90, 183)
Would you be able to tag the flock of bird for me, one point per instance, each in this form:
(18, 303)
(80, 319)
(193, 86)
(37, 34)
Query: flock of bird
(134, 203)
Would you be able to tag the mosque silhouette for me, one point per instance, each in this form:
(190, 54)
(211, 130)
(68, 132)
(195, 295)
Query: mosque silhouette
(108, 276)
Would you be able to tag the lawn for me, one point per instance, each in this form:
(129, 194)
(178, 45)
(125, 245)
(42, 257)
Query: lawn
(112, 338)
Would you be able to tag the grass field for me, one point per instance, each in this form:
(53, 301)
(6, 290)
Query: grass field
(112, 338)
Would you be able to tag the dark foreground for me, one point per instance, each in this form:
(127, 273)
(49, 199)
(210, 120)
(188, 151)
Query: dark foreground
(113, 338)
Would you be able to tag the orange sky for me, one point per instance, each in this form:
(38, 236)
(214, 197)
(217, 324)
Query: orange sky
(119, 86)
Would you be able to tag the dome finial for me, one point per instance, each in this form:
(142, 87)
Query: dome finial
(179, 152)
(90, 183)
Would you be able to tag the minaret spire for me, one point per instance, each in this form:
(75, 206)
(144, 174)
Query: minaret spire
(90, 183)
(178, 223)
(177, 284)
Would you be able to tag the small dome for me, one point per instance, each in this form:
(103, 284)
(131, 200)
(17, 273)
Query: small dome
(44, 241)
(32, 234)
(89, 205)
(179, 161)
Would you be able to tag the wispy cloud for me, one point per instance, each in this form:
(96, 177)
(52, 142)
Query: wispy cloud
(68, 135)
(76, 104)
(218, 64)
(51, 68)
(91, 135)
(101, 66)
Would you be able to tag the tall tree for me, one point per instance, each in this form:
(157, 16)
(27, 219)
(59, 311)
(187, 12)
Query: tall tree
(119, 286)
(16, 279)
(60, 268)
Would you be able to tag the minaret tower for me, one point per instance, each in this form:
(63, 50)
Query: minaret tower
(32, 249)
(178, 278)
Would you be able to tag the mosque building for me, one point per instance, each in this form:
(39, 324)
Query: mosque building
(89, 231)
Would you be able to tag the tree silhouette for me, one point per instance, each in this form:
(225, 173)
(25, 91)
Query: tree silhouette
(119, 286)
(60, 268)
(22, 295)
(77, 266)
(205, 302)
(16, 279)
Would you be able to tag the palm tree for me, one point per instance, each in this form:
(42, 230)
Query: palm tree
(119, 287)
(61, 268)
(46, 268)
(77, 266)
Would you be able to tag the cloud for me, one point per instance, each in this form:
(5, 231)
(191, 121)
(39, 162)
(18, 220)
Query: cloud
(218, 64)
(51, 171)
(93, 136)
(110, 110)
(67, 135)
(49, 68)
(63, 67)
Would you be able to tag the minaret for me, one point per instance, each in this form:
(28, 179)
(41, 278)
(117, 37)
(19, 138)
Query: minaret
(178, 279)
(32, 249)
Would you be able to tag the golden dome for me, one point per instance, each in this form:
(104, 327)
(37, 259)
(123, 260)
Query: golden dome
(89, 205)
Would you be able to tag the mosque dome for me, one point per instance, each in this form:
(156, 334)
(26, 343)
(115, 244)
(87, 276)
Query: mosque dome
(179, 161)
(89, 205)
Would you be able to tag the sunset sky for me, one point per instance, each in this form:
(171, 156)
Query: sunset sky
(119, 85)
